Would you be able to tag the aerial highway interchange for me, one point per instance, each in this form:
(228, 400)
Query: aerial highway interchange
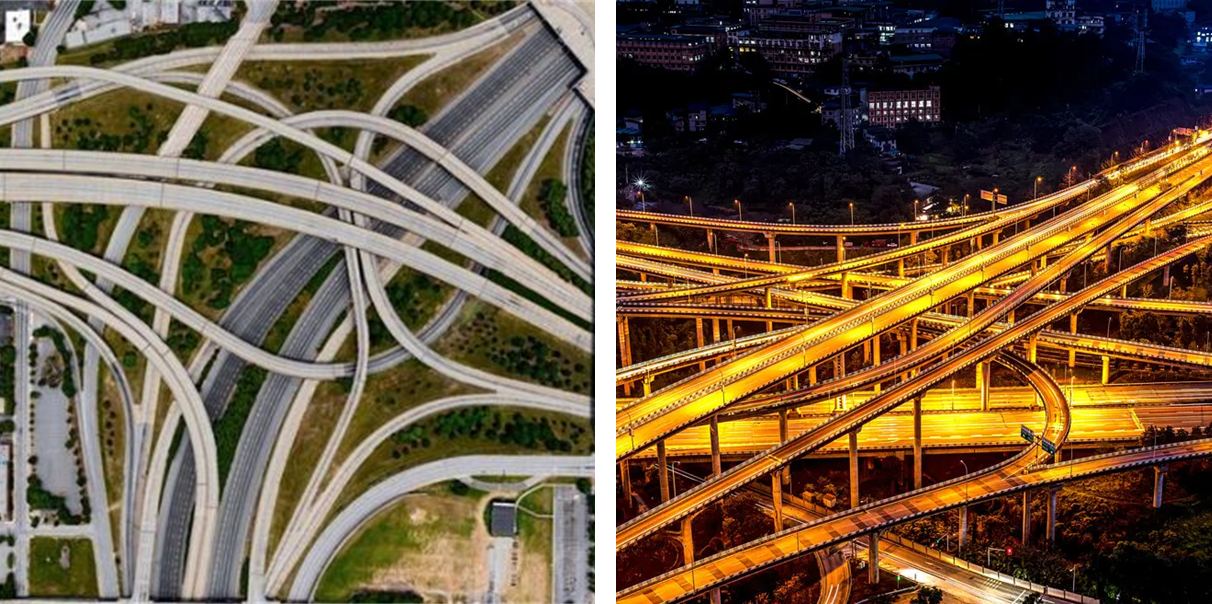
(949, 298)
(384, 310)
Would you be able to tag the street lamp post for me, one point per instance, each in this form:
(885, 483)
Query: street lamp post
(737, 202)
(792, 206)
(778, 251)
(993, 204)
(915, 214)
(1037, 181)
(691, 202)
(852, 213)
(745, 263)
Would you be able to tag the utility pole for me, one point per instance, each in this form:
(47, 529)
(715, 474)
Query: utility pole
(847, 140)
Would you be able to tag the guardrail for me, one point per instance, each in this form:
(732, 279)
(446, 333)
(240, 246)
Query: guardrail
(987, 572)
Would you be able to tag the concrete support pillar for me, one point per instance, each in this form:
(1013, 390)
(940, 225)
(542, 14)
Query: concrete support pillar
(854, 469)
(970, 302)
(715, 596)
(984, 377)
(913, 334)
(1166, 276)
(1107, 261)
(624, 349)
(699, 340)
(812, 375)
(1073, 329)
(847, 290)
(875, 357)
(1159, 483)
(913, 235)
(1032, 347)
(996, 236)
(715, 445)
(688, 539)
(711, 240)
(625, 478)
(1026, 516)
(873, 558)
(770, 244)
(903, 342)
(776, 490)
(648, 384)
(1010, 316)
(946, 254)
(1106, 370)
(918, 460)
(963, 528)
(841, 248)
(731, 331)
(663, 470)
(715, 331)
(1052, 493)
(786, 473)
(900, 267)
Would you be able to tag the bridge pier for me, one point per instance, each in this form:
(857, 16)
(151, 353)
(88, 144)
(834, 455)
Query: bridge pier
(1159, 483)
(917, 443)
(776, 491)
(984, 375)
(715, 445)
(873, 558)
(648, 384)
(1106, 370)
(715, 331)
(970, 303)
(841, 248)
(1073, 330)
(875, 357)
(786, 473)
(699, 340)
(770, 244)
(688, 539)
(913, 334)
(946, 254)
(812, 375)
(1010, 317)
(1166, 276)
(624, 349)
(1026, 516)
(711, 241)
(900, 268)
(1032, 347)
(847, 290)
(731, 331)
(663, 470)
(1052, 493)
(963, 529)
(854, 469)
(625, 478)
(715, 596)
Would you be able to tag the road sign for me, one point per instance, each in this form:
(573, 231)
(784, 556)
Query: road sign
(1028, 433)
(1048, 446)
(988, 196)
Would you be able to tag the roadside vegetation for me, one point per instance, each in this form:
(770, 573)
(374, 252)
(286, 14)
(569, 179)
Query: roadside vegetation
(310, 22)
(62, 568)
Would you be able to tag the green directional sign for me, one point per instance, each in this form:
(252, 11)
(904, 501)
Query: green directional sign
(1048, 446)
(1028, 434)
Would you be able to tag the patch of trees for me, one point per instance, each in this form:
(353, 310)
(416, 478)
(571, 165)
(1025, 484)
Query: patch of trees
(279, 156)
(386, 596)
(379, 21)
(68, 384)
(192, 35)
(587, 171)
(235, 251)
(552, 195)
(407, 293)
(409, 115)
(81, 224)
(485, 423)
(39, 498)
(231, 424)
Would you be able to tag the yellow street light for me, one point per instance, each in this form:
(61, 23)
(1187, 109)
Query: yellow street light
(792, 206)
(691, 202)
(738, 209)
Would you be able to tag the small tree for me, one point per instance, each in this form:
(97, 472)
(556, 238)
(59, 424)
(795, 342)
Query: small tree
(928, 595)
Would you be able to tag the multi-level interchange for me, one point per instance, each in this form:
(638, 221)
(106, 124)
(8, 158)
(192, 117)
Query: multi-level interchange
(992, 298)
(243, 424)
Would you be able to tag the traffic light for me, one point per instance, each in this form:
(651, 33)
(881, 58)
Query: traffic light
(1009, 550)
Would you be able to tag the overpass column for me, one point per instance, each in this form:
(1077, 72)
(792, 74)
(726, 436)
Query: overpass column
(648, 384)
(1073, 329)
(841, 248)
(970, 302)
(715, 331)
(699, 340)
(782, 439)
(984, 376)
(711, 240)
(873, 558)
(917, 443)
(625, 478)
(731, 331)
(812, 375)
(770, 244)
(1032, 347)
(913, 334)
(663, 470)
(1026, 516)
(1159, 483)
(624, 349)
(776, 491)
(715, 445)
(946, 254)
(875, 357)
(847, 290)
(1052, 493)
(1107, 261)
(963, 530)
(1010, 317)
(854, 469)
(1106, 369)
(900, 267)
